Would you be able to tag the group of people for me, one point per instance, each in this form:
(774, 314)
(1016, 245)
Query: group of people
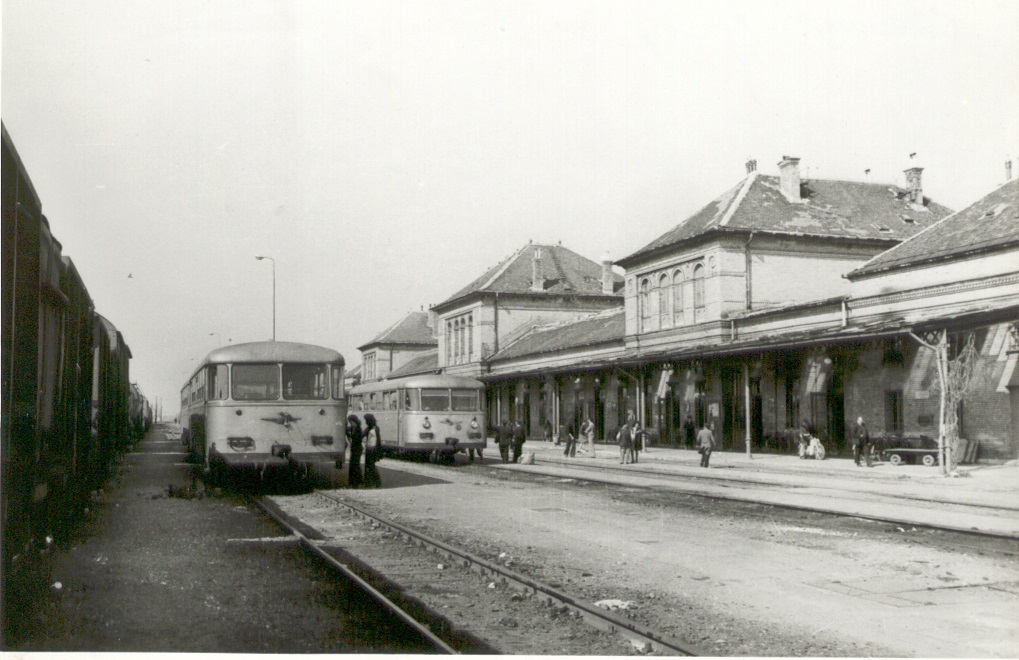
(366, 442)
(587, 429)
(511, 436)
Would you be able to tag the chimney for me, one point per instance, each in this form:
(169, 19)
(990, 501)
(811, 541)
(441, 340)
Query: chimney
(789, 170)
(1008, 170)
(608, 283)
(537, 278)
(914, 184)
(433, 323)
(751, 166)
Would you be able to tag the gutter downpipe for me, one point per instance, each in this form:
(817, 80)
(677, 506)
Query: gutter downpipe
(750, 304)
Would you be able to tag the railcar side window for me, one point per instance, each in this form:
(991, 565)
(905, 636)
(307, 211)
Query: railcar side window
(219, 382)
(432, 399)
(411, 400)
(305, 381)
(256, 382)
(337, 372)
(465, 400)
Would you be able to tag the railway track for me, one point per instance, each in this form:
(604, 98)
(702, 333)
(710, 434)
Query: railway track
(302, 533)
(467, 603)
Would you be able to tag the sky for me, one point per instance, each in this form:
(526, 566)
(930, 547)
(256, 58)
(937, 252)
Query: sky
(385, 154)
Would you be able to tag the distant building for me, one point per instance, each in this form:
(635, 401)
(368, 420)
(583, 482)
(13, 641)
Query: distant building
(397, 345)
(535, 285)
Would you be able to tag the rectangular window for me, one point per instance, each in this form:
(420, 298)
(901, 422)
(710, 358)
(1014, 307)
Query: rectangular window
(219, 382)
(337, 373)
(256, 382)
(893, 411)
(303, 382)
(411, 400)
(434, 400)
(465, 400)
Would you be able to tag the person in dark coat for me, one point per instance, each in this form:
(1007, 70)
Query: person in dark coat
(861, 443)
(689, 431)
(354, 435)
(571, 442)
(519, 437)
(372, 452)
(505, 440)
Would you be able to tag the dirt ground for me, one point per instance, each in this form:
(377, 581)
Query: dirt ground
(733, 579)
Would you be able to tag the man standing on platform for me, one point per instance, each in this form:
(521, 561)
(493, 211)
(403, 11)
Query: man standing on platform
(519, 437)
(862, 443)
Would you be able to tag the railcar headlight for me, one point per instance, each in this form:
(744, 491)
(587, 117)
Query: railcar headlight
(474, 423)
(426, 424)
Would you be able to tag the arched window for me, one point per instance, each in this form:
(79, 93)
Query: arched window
(449, 342)
(644, 304)
(470, 338)
(698, 290)
(664, 317)
(460, 341)
(677, 297)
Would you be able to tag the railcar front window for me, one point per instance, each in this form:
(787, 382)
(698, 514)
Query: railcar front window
(465, 400)
(411, 400)
(256, 382)
(218, 382)
(305, 381)
(337, 372)
(432, 400)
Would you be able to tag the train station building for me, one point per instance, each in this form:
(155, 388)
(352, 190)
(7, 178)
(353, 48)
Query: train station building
(785, 300)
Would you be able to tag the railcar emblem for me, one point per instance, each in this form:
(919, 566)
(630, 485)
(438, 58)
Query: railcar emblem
(284, 419)
(450, 422)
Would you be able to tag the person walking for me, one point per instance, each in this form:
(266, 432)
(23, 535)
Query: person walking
(587, 431)
(571, 442)
(862, 443)
(505, 438)
(372, 452)
(354, 435)
(519, 437)
(689, 431)
(705, 443)
(625, 438)
(637, 445)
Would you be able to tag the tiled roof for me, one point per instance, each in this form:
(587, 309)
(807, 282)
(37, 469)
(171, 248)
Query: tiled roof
(426, 363)
(411, 329)
(603, 327)
(564, 272)
(991, 223)
(830, 209)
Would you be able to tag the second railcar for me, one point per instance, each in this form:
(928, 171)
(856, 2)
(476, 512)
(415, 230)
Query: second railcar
(265, 405)
(428, 414)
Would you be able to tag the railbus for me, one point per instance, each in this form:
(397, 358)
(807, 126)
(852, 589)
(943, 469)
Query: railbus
(266, 405)
(426, 414)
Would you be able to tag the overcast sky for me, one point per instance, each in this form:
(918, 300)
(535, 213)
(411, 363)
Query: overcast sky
(387, 153)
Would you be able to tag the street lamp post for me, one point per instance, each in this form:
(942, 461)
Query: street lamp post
(261, 257)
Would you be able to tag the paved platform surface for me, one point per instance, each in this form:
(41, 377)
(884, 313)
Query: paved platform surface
(983, 499)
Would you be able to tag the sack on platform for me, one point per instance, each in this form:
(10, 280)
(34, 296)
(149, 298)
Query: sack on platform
(527, 458)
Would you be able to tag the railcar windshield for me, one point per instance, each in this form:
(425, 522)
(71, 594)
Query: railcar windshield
(256, 382)
(337, 372)
(433, 399)
(305, 381)
(465, 400)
